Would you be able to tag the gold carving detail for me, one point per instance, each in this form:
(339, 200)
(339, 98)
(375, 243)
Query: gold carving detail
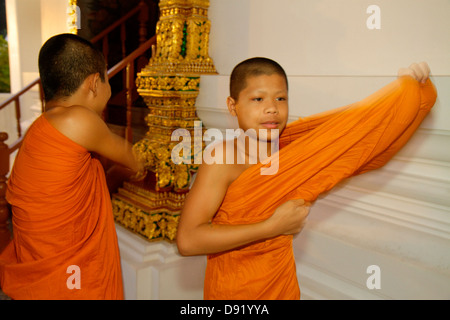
(156, 225)
(182, 36)
(169, 85)
(147, 84)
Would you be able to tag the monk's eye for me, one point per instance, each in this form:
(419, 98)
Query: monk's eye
(281, 99)
(257, 99)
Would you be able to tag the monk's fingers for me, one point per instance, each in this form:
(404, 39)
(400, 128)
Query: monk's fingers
(302, 223)
(425, 68)
(298, 202)
(418, 72)
(290, 217)
(421, 71)
(305, 210)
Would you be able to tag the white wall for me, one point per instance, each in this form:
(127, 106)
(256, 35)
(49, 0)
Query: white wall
(30, 24)
(397, 217)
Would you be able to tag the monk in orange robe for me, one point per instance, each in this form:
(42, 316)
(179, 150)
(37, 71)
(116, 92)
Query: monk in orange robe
(64, 239)
(245, 220)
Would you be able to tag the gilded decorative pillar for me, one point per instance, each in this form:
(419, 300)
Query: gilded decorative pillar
(169, 85)
(73, 16)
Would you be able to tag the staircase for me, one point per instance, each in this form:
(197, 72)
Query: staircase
(116, 115)
(119, 107)
(125, 112)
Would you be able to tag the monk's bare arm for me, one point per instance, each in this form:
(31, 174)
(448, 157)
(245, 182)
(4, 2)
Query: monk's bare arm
(86, 128)
(197, 235)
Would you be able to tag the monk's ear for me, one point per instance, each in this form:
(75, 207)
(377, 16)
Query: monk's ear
(92, 82)
(231, 104)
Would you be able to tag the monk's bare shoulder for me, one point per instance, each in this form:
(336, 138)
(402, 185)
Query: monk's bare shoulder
(78, 123)
(62, 116)
(210, 186)
(220, 162)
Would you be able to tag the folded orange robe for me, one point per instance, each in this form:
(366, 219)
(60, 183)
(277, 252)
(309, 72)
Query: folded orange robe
(315, 154)
(62, 217)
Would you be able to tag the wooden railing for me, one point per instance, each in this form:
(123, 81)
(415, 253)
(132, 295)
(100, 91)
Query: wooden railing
(16, 99)
(142, 9)
(129, 63)
(4, 210)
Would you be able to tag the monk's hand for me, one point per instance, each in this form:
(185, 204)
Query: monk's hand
(290, 217)
(419, 71)
(140, 175)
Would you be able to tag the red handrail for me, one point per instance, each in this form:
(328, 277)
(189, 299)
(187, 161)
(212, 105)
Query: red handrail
(16, 99)
(105, 32)
(142, 9)
(128, 63)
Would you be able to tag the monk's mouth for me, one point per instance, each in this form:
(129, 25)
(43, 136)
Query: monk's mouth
(270, 125)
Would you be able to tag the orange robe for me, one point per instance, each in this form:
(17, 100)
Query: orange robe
(62, 217)
(315, 154)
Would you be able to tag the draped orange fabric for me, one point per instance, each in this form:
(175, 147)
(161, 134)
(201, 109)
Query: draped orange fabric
(315, 154)
(62, 220)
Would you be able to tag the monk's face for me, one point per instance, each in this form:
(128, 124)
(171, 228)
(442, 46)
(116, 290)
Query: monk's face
(262, 105)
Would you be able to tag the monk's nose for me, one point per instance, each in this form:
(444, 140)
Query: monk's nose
(271, 107)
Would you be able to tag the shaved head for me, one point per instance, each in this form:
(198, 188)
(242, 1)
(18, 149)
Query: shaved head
(250, 68)
(65, 61)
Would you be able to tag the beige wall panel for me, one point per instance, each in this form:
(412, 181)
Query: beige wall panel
(328, 37)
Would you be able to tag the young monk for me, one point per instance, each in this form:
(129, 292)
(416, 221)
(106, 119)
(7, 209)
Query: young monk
(244, 220)
(65, 244)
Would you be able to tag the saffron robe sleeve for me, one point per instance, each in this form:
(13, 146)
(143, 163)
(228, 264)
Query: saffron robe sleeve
(64, 239)
(315, 154)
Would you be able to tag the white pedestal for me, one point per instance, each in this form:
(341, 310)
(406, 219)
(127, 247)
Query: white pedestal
(155, 270)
